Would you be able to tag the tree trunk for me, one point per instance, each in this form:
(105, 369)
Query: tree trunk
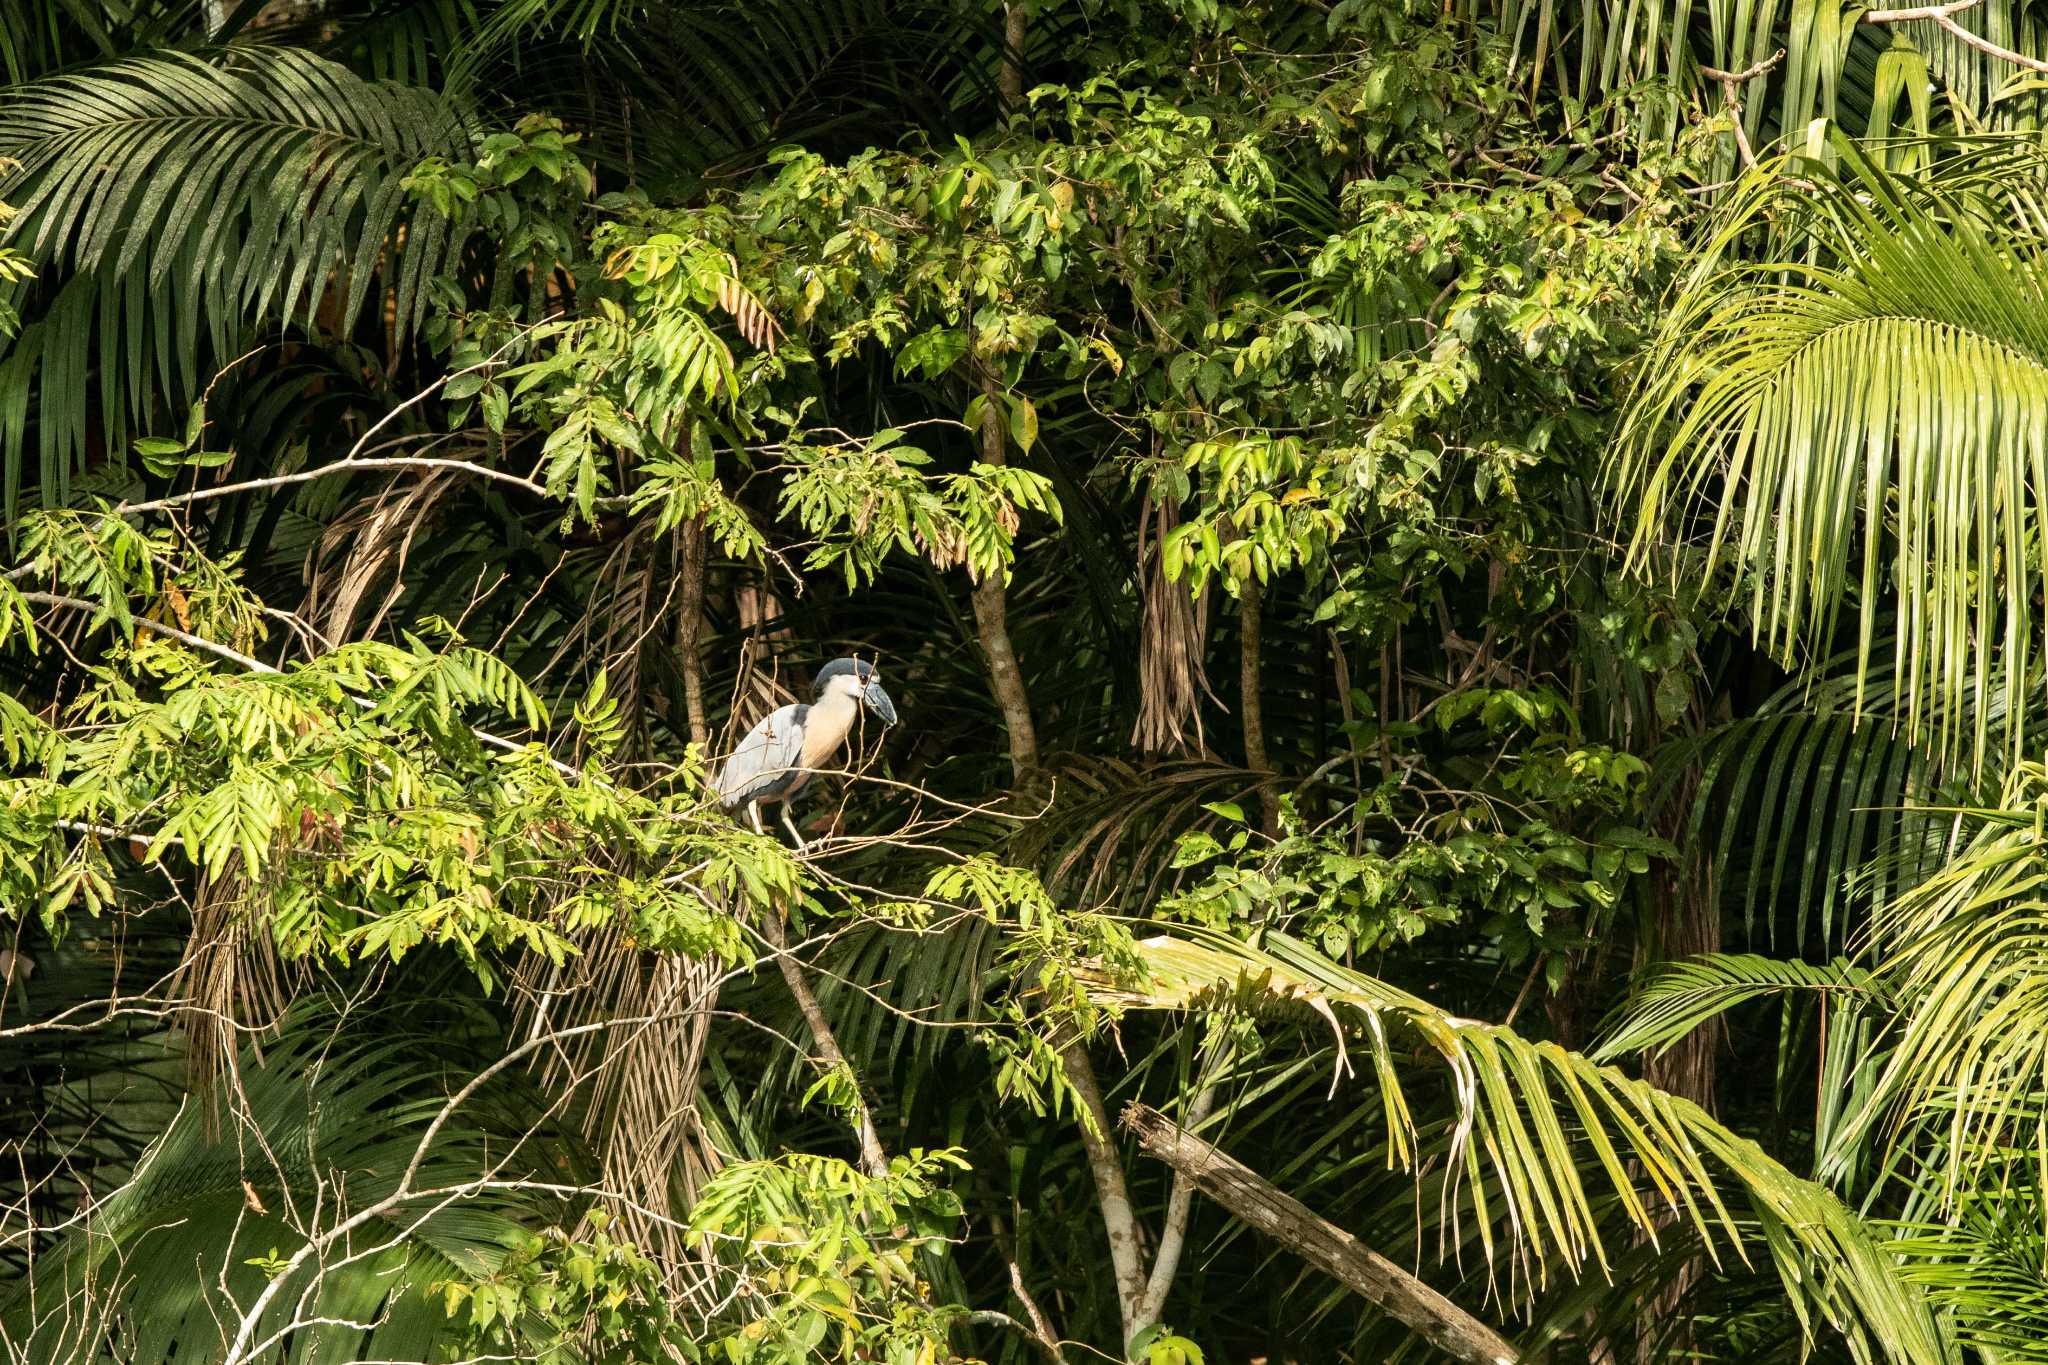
(1251, 619)
(991, 615)
(691, 546)
(1010, 83)
(1286, 1220)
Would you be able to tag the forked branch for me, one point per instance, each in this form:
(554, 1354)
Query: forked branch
(1944, 18)
(1288, 1221)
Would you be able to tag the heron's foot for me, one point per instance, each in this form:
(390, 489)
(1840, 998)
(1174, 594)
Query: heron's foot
(790, 825)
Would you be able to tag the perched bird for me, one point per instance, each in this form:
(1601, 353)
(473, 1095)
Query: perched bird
(777, 758)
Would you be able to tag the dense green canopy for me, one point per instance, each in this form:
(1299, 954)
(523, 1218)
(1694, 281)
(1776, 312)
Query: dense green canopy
(1466, 587)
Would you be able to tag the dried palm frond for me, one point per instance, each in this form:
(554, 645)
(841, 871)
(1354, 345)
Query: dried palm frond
(232, 982)
(365, 548)
(757, 687)
(1171, 680)
(640, 1110)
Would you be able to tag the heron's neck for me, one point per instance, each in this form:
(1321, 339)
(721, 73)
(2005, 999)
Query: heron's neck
(826, 726)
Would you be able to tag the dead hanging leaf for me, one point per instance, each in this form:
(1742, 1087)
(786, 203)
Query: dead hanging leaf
(251, 1200)
(15, 966)
(1172, 638)
(754, 321)
(180, 606)
(944, 547)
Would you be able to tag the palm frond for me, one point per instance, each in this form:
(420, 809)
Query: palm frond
(1864, 430)
(1807, 811)
(171, 202)
(1683, 995)
(1967, 954)
(1533, 1120)
(320, 1117)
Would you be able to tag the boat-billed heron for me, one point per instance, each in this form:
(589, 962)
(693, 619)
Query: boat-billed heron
(779, 756)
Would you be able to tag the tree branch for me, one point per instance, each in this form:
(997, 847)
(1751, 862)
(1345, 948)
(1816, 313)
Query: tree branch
(872, 1159)
(1731, 86)
(201, 643)
(1111, 1192)
(1943, 16)
(1286, 1220)
(1179, 1200)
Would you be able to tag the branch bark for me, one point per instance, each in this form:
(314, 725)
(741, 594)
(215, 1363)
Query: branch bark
(871, 1158)
(1118, 1218)
(991, 614)
(1286, 1220)
(1251, 620)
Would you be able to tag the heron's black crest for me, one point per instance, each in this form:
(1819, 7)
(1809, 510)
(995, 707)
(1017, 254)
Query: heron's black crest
(860, 668)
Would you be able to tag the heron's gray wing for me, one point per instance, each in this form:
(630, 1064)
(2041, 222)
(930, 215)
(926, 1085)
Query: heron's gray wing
(764, 759)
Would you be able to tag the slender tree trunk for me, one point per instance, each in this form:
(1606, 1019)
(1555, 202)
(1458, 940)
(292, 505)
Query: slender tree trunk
(1685, 922)
(690, 547)
(1251, 622)
(871, 1158)
(1010, 83)
(1289, 1222)
(1173, 1234)
(1126, 1257)
(991, 615)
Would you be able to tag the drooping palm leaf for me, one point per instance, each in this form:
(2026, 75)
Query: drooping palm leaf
(1532, 1124)
(1864, 430)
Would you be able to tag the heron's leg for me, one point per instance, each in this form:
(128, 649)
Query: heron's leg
(754, 814)
(790, 825)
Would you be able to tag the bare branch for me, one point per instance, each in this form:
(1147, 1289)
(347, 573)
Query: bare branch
(1291, 1223)
(1731, 86)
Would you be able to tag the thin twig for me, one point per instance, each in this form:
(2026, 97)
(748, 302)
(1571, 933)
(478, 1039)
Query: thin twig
(1731, 86)
(1943, 16)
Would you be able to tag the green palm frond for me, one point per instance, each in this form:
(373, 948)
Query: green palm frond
(1537, 1129)
(1982, 1264)
(171, 203)
(1872, 80)
(1967, 954)
(1863, 431)
(1807, 810)
(320, 1117)
(37, 39)
(1683, 995)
